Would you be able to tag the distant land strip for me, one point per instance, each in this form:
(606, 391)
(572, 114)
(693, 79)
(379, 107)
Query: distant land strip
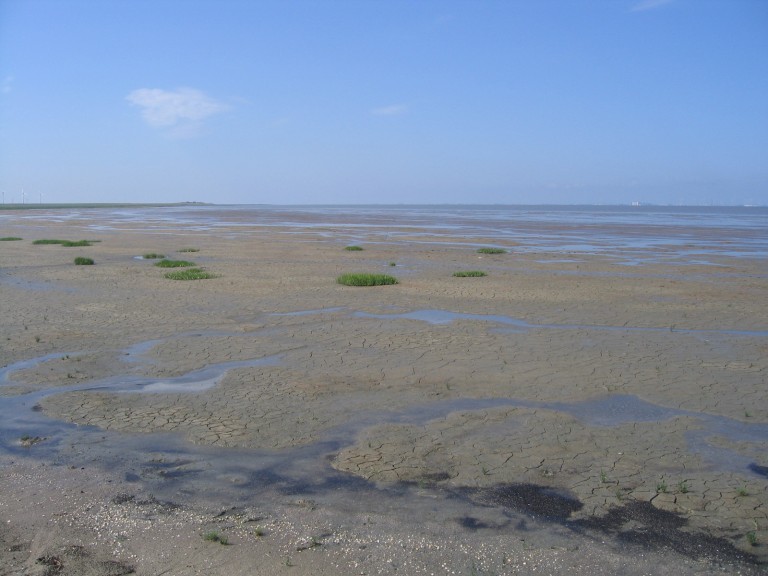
(98, 205)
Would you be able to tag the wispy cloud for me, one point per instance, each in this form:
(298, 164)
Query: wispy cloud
(7, 85)
(391, 110)
(649, 5)
(181, 110)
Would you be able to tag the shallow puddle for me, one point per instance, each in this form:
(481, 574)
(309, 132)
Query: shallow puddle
(19, 415)
(171, 467)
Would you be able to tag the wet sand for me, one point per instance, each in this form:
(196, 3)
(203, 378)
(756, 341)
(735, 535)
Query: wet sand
(562, 414)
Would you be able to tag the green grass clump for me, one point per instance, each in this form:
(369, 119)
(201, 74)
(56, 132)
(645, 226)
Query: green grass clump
(67, 243)
(174, 263)
(470, 274)
(189, 250)
(83, 261)
(365, 279)
(153, 256)
(353, 248)
(491, 251)
(190, 274)
(214, 536)
(9, 239)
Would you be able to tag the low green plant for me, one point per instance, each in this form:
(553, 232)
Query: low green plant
(189, 250)
(215, 536)
(393, 263)
(661, 487)
(190, 274)
(752, 538)
(67, 243)
(365, 279)
(491, 251)
(683, 487)
(603, 477)
(9, 239)
(174, 263)
(743, 491)
(153, 256)
(83, 261)
(353, 248)
(469, 274)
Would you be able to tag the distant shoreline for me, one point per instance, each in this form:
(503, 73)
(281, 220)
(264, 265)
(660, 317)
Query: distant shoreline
(95, 205)
(54, 206)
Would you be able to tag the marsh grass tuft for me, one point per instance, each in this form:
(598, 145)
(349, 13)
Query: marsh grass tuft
(661, 487)
(174, 263)
(215, 536)
(83, 261)
(752, 538)
(153, 256)
(48, 241)
(491, 251)
(189, 250)
(353, 248)
(190, 274)
(365, 279)
(469, 274)
(9, 239)
(66, 243)
(683, 487)
(743, 491)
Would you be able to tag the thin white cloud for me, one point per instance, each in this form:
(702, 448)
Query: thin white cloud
(7, 85)
(649, 5)
(181, 108)
(391, 110)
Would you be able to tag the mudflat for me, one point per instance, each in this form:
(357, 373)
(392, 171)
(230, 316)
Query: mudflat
(562, 413)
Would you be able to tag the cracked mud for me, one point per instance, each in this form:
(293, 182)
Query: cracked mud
(632, 406)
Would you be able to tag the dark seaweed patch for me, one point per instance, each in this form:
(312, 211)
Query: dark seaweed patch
(530, 499)
(642, 524)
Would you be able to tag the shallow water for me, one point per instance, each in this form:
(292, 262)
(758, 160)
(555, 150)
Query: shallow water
(630, 235)
(19, 416)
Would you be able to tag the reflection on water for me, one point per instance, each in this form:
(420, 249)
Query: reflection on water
(446, 317)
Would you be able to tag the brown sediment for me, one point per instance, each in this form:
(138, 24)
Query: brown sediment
(590, 330)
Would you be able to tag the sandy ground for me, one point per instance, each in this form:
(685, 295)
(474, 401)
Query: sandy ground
(554, 416)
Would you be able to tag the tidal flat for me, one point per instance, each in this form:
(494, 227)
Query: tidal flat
(596, 403)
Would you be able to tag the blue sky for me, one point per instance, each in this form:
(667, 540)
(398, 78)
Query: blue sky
(365, 101)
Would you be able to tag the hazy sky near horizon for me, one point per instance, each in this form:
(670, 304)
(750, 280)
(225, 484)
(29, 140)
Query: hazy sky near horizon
(374, 101)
